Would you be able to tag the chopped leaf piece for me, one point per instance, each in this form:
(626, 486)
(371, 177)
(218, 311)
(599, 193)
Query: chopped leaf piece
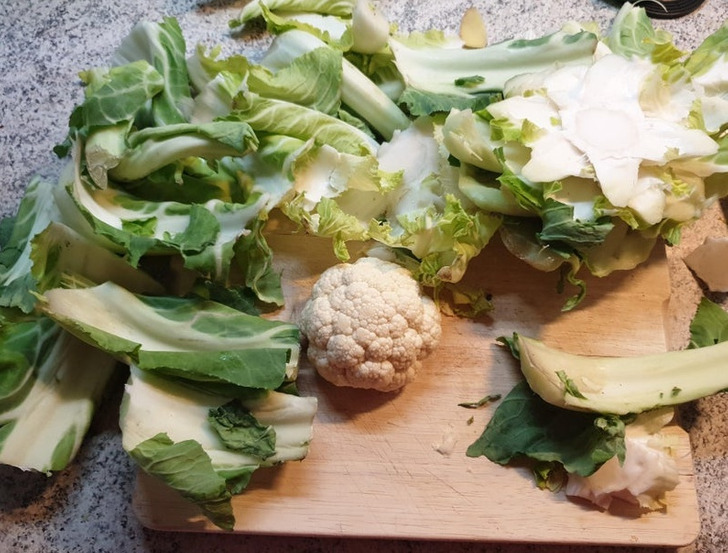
(239, 430)
(511, 343)
(549, 475)
(462, 301)
(469, 81)
(483, 401)
(569, 386)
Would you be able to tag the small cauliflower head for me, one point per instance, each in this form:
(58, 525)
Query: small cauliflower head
(369, 325)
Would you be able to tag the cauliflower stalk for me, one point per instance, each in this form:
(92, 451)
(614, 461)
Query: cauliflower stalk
(369, 325)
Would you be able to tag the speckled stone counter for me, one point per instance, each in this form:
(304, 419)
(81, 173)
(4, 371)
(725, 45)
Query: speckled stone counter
(87, 507)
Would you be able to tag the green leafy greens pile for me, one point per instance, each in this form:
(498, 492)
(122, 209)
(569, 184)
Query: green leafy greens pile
(150, 250)
(534, 140)
(210, 395)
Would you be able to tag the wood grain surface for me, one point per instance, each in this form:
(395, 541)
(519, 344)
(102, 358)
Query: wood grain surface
(394, 465)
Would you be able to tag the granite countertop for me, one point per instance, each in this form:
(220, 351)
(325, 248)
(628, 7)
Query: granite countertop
(87, 507)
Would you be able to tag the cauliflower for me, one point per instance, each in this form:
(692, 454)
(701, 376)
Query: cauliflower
(369, 325)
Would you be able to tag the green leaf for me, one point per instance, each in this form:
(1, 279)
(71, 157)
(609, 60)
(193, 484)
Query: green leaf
(436, 69)
(560, 225)
(140, 227)
(569, 385)
(444, 240)
(37, 209)
(505, 130)
(528, 197)
(6, 429)
(203, 227)
(65, 450)
(711, 51)
(18, 350)
(632, 34)
(511, 342)
(238, 297)
(329, 220)
(334, 30)
(119, 95)
(469, 81)
(184, 466)
(550, 475)
(60, 255)
(153, 148)
(253, 10)
(254, 258)
(250, 367)
(709, 325)
(166, 426)
(6, 230)
(312, 79)
(237, 479)
(50, 384)
(267, 115)
(525, 426)
(240, 430)
(204, 234)
(192, 180)
(568, 274)
(162, 45)
(200, 340)
(112, 97)
(420, 102)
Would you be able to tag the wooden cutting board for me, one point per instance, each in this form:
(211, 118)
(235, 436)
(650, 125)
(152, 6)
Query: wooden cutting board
(394, 466)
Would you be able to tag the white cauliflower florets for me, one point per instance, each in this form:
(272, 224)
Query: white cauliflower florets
(369, 325)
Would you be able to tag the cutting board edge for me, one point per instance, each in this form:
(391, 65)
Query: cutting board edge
(690, 529)
(614, 533)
